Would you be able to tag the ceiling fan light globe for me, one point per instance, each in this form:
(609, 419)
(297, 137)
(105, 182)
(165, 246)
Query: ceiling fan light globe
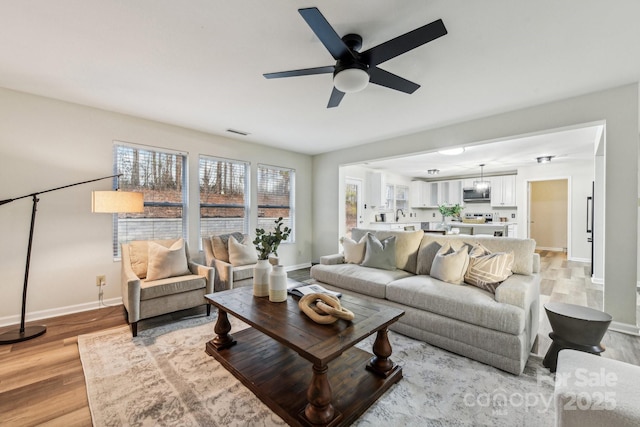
(351, 80)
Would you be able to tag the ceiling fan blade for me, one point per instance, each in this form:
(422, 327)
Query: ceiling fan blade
(404, 43)
(336, 97)
(302, 72)
(390, 80)
(325, 32)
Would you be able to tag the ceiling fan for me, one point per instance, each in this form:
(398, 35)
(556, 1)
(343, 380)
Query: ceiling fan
(353, 69)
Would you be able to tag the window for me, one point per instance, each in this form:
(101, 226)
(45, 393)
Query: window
(224, 204)
(276, 189)
(160, 176)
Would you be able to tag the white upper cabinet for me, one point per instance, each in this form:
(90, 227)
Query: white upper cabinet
(432, 194)
(503, 191)
(375, 191)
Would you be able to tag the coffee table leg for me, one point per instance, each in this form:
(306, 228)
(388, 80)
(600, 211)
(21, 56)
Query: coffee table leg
(380, 363)
(222, 328)
(319, 410)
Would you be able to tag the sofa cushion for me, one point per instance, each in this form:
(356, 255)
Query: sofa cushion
(169, 286)
(380, 253)
(356, 278)
(167, 262)
(449, 265)
(243, 272)
(220, 245)
(523, 249)
(241, 252)
(426, 254)
(463, 302)
(354, 250)
(407, 245)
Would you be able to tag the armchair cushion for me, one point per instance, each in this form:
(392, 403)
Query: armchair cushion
(241, 252)
(220, 245)
(167, 262)
(150, 289)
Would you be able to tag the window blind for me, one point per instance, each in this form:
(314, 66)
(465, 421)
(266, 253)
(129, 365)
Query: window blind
(224, 205)
(161, 176)
(276, 189)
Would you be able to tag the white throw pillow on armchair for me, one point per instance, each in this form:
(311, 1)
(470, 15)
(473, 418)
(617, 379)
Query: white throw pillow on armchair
(242, 253)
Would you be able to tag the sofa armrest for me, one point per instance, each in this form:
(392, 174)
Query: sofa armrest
(208, 272)
(224, 275)
(524, 292)
(332, 259)
(130, 287)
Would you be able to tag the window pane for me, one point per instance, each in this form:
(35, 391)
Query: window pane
(275, 197)
(223, 201)
(159, 175)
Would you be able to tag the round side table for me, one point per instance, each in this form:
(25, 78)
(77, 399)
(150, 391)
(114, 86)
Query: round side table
(574, 327)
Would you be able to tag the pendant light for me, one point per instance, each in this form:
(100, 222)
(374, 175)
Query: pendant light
(482, 184)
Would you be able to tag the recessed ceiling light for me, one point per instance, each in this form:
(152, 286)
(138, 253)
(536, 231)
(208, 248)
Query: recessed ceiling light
(433, 171)
(452, 151)
(544, 159)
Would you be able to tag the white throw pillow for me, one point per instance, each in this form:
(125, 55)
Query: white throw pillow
(167, 262)
(449, 265)
(354, 251)
(241, 253)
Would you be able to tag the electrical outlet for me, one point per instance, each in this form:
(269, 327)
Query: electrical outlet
(513, 215)
(101, 280)
(434, 215)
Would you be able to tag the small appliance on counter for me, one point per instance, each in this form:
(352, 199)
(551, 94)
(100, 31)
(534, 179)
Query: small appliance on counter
(479, 218)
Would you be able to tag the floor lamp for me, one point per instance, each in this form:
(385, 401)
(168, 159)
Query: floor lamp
(102, 201)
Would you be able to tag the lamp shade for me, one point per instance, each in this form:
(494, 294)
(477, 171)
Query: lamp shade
(116, 202)
(351, 80)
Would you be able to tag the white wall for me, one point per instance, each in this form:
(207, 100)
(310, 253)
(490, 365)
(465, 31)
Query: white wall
(580, 175)
(617, 106)
(46, 143)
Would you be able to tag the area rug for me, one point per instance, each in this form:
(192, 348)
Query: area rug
(163, 377)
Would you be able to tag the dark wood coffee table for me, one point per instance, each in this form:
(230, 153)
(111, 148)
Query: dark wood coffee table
(272, 357)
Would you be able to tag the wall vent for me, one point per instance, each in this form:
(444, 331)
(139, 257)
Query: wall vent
(238, 132)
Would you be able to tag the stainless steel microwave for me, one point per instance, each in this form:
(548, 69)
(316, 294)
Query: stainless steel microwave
(471, 195)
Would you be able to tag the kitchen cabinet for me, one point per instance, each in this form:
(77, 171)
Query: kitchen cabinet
(375, 191)
(503, 191)
(420, 194)
(432, 194)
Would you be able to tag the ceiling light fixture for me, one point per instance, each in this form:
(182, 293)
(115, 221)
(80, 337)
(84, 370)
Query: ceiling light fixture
(544, 159)
(433, 171)
(350, 80)
(482, 184)
(452, 151)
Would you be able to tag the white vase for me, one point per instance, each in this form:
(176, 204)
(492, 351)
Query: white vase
(261, 278)
(277, 284)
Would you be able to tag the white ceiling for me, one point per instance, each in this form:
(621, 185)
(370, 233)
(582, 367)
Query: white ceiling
(567, 147)
(199, 63)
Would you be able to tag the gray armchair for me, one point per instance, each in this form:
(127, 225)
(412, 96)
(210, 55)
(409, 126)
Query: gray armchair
(145, 297)
(227, 275)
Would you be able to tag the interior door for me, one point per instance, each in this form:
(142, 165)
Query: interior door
(548, 214)
(353, 204)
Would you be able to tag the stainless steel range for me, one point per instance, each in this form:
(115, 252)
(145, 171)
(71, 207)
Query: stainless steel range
(488, 217)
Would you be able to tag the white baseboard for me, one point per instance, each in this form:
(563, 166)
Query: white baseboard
(597, 280)
(298, 267)
(625, 328)
(544, 248)
(579, 259)
(60, 311)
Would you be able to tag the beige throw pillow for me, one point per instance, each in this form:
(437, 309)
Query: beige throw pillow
(167, 262)
(488, 270)
(220, 245)
(354, 251)
(449, 265)
(242, 253)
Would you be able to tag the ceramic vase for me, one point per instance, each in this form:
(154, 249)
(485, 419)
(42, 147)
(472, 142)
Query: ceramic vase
(277, 284)
(261, 278)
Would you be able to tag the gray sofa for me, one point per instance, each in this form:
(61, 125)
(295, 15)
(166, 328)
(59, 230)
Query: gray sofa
(498, 330)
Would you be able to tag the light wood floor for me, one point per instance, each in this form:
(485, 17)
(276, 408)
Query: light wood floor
(42, 382)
